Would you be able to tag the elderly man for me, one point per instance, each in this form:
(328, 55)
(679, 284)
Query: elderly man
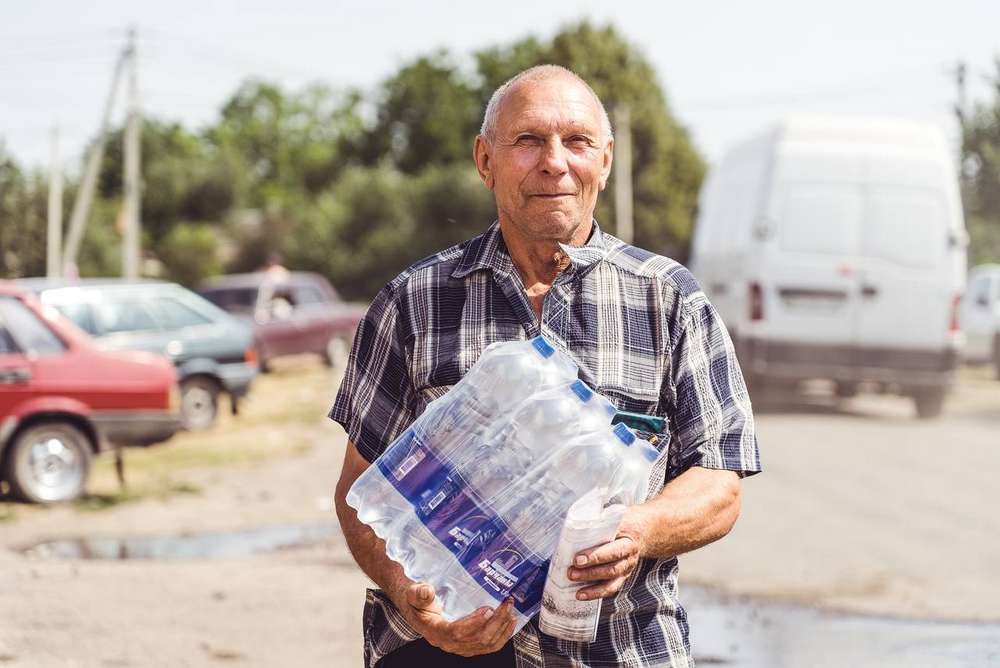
(642, 333)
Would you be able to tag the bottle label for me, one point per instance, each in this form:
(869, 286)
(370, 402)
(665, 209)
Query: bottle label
(480, 540)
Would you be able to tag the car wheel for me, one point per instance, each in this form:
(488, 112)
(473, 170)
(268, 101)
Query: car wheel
(49, 462)
(929, 403)
(338, 349)
(199, 403)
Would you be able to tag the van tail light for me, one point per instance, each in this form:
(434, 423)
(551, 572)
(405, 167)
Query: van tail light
(250, 356)
(954, 326)
(756, 302)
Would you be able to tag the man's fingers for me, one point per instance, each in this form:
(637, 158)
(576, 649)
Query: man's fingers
(603, 572)
(603, 590)
(506, 628)
(420, 596)
(616, 550)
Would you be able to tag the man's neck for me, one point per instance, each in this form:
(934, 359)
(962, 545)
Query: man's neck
(539, 261)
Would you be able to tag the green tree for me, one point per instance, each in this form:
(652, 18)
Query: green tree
(981, 177)
(22, 220)
(666, 168)
(427, 115)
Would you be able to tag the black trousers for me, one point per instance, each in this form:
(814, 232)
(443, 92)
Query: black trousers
(420, 653)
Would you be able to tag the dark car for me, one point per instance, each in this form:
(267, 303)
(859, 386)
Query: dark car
(63, 399)
(291, 312)
(213, 351)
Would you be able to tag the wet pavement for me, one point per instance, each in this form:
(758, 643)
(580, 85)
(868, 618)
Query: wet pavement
(749, 633)
(208, 545)
(736, 632)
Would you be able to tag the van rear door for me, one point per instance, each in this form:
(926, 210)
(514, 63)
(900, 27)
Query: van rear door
(809, 281)
(907, 290)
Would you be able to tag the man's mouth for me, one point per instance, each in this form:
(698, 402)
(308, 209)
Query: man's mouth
(553, 195)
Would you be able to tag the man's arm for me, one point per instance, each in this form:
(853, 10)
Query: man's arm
(482, 632)
(698, 507)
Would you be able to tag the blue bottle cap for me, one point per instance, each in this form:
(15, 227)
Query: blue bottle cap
(649, 452)
(581, 390)
(624, 434)
(543, 347)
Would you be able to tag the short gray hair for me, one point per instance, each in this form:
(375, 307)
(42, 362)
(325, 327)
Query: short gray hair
(539, 72)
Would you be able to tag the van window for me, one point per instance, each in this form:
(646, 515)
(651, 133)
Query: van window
(907, 226)
(21, 324)
(820, 218)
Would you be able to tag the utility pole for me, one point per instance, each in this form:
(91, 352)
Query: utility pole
(53, 238)
(623, 174)
(81, 207)
(132, 185)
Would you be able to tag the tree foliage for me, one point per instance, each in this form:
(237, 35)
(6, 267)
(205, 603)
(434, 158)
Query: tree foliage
(355, 186)
(981, 177)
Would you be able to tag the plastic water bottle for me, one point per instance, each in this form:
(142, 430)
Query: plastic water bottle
(505, 375)
(631, 479)
(471, 497)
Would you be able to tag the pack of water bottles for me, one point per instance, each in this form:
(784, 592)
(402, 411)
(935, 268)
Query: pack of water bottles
(471, 498)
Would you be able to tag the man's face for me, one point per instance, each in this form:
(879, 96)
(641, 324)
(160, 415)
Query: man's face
(549, 159)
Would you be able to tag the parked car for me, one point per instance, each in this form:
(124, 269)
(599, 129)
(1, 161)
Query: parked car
(835, 248)
(981, 316)
(295, 312)
(63, 399)
(213, 351)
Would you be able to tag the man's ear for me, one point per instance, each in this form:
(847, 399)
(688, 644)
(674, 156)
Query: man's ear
(609, 152)
(481, 154)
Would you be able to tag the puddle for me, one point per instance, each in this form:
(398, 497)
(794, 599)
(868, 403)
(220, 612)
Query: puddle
(209, 545)
(741, 633)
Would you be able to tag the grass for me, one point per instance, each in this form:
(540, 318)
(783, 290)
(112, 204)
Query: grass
(281, 417)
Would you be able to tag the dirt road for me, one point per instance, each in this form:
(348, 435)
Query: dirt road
(860, 508)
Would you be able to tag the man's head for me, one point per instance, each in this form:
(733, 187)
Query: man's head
(545, 152)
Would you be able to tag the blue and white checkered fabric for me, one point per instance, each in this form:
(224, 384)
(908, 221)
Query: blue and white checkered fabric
(643, 334)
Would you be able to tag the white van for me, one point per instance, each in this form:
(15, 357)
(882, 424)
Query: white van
(981, 316)
(835, 248)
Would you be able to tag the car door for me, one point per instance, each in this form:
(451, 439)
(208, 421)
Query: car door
(15, 367)
(316, 317)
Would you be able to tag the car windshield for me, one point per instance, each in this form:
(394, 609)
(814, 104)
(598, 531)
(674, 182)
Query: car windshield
(21, 324)
(234, 300)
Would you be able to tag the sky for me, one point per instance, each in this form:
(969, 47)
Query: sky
(728, 69)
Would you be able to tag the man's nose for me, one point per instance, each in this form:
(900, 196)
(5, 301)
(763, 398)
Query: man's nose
(553, 158)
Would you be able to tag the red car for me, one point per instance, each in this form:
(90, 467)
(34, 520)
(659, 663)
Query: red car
(63, 400)
(291, 312)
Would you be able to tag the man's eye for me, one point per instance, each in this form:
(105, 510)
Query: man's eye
(578, 141)
(528, 140)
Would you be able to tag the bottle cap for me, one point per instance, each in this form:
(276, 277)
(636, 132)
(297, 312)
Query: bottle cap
(581, 390)
(649, 452)
(624, 434)
(543, 347)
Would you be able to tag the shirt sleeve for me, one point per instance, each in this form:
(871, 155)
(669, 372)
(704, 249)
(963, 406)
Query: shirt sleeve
(375, 402)
(712, 416)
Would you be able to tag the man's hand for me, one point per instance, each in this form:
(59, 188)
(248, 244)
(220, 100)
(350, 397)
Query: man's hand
(482, 632)
(611, 564)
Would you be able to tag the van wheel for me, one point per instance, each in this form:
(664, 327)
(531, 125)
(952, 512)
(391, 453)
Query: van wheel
(199, 403)
(49, 462)
(929, 403)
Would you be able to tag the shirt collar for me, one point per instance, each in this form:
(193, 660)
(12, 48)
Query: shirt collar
(488, 251)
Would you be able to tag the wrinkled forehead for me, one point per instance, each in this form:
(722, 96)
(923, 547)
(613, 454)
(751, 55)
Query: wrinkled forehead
(551, 104)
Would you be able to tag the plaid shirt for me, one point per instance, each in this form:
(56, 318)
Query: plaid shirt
(642, 333)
